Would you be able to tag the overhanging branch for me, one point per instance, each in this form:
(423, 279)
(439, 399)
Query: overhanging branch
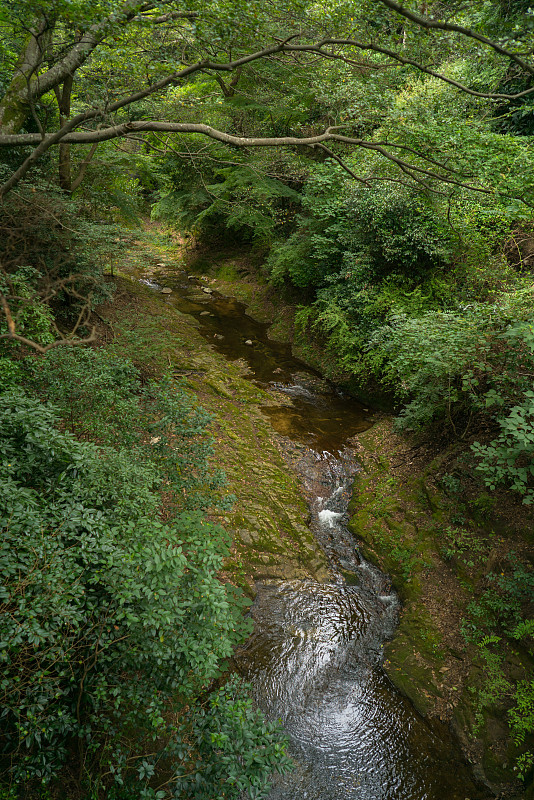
(329, 135)
(400, 59)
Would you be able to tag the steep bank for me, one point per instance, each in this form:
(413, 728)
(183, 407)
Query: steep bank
(403, 518)
(267, 519)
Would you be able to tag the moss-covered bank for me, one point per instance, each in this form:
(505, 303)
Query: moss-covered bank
(237, 272)
(269, 515)
(403, 519)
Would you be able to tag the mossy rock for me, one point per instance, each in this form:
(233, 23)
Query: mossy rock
(268, 520)
(414, 656)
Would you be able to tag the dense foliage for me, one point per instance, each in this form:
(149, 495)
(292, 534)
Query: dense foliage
(113, 622)
(409, 246)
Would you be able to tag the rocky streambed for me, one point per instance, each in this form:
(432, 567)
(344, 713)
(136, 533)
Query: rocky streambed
(323, 613)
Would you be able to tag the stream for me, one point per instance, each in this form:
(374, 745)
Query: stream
(315, 656)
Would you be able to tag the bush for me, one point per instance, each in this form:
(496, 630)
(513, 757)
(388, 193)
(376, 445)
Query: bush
(52, 261)
(101, 397)
(239, 201)
(431, 362)
(361, 236)
(522, 723)
(113, 625)
(508, 459)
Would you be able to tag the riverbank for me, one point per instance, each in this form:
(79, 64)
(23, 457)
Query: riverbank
(403, 519)
(442, 548)
(399, 512)
(267, 519)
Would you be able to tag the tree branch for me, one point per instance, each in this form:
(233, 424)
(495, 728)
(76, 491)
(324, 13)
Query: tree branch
(83, 168)
(83, 48)
(12, 334)
(172, 15)
(433, 24)
(126, 128)
(318, 48)
(330, 153)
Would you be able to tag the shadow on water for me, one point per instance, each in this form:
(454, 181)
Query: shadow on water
(315, 656)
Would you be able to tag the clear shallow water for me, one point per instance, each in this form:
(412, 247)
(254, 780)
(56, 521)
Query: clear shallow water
(315, 656)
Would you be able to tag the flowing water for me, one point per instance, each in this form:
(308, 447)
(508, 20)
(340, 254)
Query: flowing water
(315, 657)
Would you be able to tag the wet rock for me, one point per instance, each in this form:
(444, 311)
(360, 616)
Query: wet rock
(166, 290)
(246, 536)
(248, 341)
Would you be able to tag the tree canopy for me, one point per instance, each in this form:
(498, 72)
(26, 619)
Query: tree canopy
(79, 75)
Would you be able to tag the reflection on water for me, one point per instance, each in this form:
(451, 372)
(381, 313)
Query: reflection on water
(315, 656)
(314, 660)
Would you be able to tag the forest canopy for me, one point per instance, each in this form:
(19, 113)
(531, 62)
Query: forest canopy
(84, 75)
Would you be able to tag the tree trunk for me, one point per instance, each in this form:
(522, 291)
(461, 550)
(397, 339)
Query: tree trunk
(15, 105)
(63, 95)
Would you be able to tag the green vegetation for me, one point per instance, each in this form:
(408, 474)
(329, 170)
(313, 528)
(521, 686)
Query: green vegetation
(463, 648)
(375, 157)
(114, 623)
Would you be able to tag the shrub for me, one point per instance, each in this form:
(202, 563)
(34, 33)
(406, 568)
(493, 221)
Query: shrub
(435, 362)
(101, 397)
(52, 261)
(237, 200)
(361, 236)
(522, 723)
(113, 625)
(508, 459)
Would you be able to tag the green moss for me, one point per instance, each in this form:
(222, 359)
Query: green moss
(269, 515)
(414, 656)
